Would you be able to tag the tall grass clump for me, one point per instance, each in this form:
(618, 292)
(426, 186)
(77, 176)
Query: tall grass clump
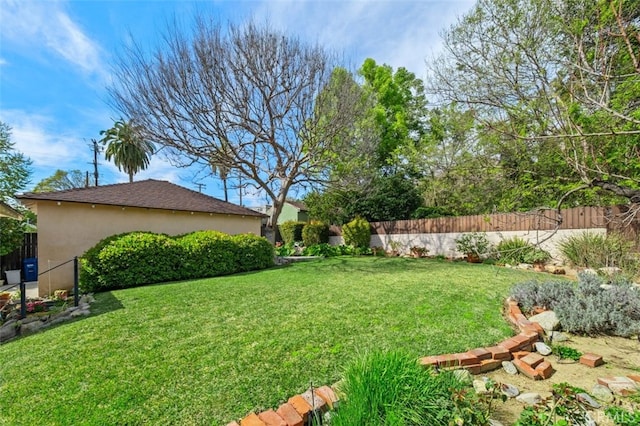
(391, 388)
(591, 250)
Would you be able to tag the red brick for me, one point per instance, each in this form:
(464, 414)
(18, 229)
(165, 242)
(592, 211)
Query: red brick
(605, 381)
(251, 420)
(520, 354)
(429, 361)
(466, 359)
(233, 424)
(545, 369)
(531, 335)
(533, 359)
(498, 352)
(480, 353)
(447, 360)
(301, 405)
(526, 369)
(591, 360)
(329, 396)
(270, 418)
(490, 365)
(520, 317)
(510, 344)
(474, 369)
(290, 415)
(635, 378)
(314, 400)
(534, 327)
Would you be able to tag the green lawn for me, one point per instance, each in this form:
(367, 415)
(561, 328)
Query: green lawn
(210, 351)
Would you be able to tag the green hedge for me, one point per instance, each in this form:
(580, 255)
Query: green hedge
(138, 258)
(315, 233)
(357, 233)
(291, 231)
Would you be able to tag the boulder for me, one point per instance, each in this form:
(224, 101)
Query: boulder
(542, 348)
(602, 393)
(547, 320)
(509, 368)
(529, 398)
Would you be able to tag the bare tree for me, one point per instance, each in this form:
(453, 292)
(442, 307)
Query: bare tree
(559, 77)
(241, 97)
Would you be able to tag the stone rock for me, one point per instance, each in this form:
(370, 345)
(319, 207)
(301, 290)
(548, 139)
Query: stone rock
(79, 313)
(9, 322)
(480, 386)
(585, 398)
(590, 271)
(623, 389)
(495, 423)
(509, 368)
(7, 332)
(31, 327)
(525, 266)
(556, 336)
(542, 348)
(547, 320)
(602, 393)
(529, 398)
(29, 320)
(610, 271)
(463, 376)
(606, 286)
(510, 390)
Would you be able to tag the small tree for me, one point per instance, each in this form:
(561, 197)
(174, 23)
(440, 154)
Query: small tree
(14, 176)
(357, 233)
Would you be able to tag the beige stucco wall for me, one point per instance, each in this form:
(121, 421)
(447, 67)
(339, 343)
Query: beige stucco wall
(66, 230)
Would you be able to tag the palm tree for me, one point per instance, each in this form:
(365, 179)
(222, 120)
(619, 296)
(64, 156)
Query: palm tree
(130, 152)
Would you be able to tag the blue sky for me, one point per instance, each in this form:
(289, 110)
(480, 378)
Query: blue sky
(56, 56)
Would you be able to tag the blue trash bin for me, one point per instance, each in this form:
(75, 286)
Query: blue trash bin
(30, 269)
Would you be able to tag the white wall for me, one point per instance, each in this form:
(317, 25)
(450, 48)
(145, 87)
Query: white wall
(445, 244)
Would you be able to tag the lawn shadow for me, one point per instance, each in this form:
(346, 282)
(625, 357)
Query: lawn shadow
(105, 302)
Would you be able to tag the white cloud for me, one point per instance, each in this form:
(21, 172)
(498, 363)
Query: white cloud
(33, 25)
(34, 135)
(398, 33)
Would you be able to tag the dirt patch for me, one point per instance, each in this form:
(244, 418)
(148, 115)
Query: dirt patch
(621, 356)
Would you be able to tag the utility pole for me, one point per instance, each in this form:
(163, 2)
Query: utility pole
(96, 149)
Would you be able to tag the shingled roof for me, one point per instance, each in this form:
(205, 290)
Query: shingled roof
(151, 193)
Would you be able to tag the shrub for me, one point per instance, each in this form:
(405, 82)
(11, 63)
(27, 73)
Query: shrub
(315, 233)
(473, 243)
(614, 310)
(254, 252)
(291, 231)
(134, 259)
(530, 294)
(587, 308)
(357, 233)
(138, 258)
(90, 264)
(591, 250)
(207, 254)
(512, 250)
(391, 388)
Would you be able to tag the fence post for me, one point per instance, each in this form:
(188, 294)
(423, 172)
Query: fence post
(76, 295)
(23, 299)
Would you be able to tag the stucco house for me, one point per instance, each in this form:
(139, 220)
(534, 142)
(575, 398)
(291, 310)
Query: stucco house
(72, 221)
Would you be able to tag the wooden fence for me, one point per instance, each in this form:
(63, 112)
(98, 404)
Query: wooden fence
(612, 218)
(14, 260)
